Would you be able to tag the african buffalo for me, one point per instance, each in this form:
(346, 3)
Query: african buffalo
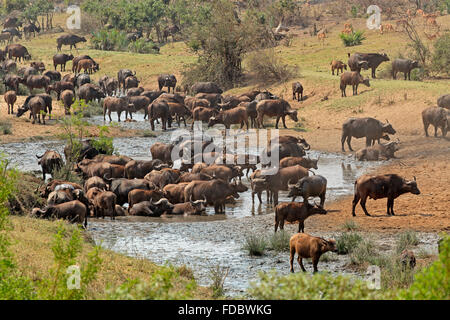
(49, 162)
(437, 117)
(314, 186)
(405, 66)
(369, 128)
(295, 212)
(388, 186)
(279, 108)
(357, 60)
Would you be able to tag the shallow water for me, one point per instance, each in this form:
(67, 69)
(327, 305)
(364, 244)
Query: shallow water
(200, 242)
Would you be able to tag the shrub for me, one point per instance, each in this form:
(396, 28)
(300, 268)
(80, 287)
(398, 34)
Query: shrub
(217, 275)
(432, 283)
(363, 253)
(142, 46)
(440, 61)
(279, 241)
(266, 66)
(303, 286)
(255, 244)
(350, 225)
(165, 283)
(5, 127)
(405, 240)
(347, 241)
(353, 39)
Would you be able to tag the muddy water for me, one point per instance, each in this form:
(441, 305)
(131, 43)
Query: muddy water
(201, 242)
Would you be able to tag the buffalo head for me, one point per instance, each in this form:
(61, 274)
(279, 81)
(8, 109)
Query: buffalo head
(387, 127)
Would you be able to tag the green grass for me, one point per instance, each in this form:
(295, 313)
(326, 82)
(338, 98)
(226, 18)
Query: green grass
(406, 240)
(279, 241)
(255, 244)
(5, 127)
(350, 225)
(347, 242)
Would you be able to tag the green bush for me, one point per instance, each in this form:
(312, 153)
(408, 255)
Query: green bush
(406, 240)
(5, 127)
(266, 66)
(304, 286)
(165, 283)
(440, 61)
(350, 225)
(363, 253)
(432, 283)
(279, 241)
(347, 241)
(353, 39)
(255, 244)
(142, 46)
(217, 275)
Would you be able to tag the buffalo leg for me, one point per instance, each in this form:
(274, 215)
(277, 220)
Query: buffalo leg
(363, 205)
(300, 262)
(284, 121)
(343, 141)
(425, 126)
(349, 139)
(315, 261)
(354, 203)
(435, 131)
(301, 226)
(291, 259)
(369, 142)
(322, 199)
(276, 123)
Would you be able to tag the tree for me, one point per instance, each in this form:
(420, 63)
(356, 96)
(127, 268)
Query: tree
(221, 39)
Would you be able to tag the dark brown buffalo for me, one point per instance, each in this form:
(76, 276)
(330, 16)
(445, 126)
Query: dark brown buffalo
(122, 75)
(139, 195)
(369, 128)
(159, 109)
(236, 115)
(12, 82)
(138, 169)
(60, 86)
(163, 177)
(37, 81)
(338, 66)
(213, 98)
(352, 78)
(444, 101)
(152, 95)
(61, 58)
(206, 87)
(151, 209)
(223, 172)
(215, 192)
(197, 207)
(72, 210)
(374, 153)
(405, 66)
(297, 89)
(437, 117)
(49, 162)
(314, 186)
(162, 151)
(131, 82)
(191, 103)
(121, 187)
(89, 92)
(17, 51)
(304, 162)
(68, 40)
(202, 114)
(67, 97)
(113, 159)
(10, 98)
(35, 105)
(286, 150)
(167, 80)
(95, 182)
(175, 192)
(189, 176)
(295, 212)
(356, 61)
(388, 186)
(104, 204)
(53, 75)
(116, 104)
(307, 246)
(275, 108)
(78, 58)
(180, 112)
(133, 92)
(38, 65)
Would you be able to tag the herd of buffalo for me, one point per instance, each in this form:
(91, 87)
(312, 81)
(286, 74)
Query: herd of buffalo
(118, 185)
